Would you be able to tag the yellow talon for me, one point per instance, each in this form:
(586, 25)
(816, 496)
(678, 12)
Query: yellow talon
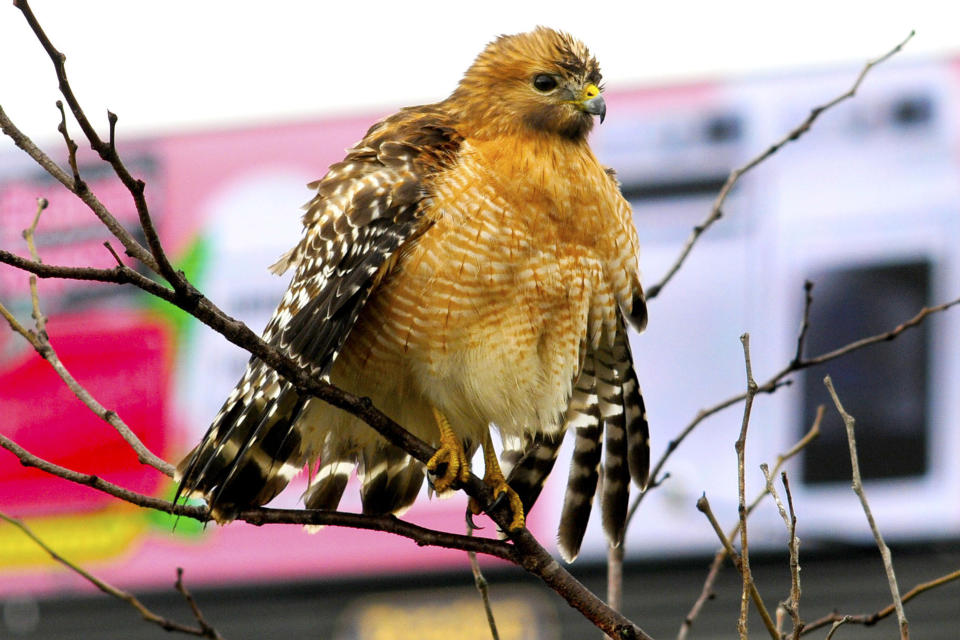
(450, 459)
(493, 478)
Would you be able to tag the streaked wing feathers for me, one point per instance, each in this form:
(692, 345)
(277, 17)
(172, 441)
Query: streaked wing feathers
(366, 208)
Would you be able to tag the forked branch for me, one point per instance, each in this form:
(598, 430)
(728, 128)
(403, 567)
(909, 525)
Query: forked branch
(203, 630)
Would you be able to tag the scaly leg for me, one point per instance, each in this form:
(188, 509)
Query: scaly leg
(493, 478)
(450, 459)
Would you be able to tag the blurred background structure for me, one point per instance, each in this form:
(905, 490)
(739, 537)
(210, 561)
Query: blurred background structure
(228, 114)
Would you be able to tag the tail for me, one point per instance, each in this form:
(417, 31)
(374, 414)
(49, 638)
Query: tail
(252, 449)
(390, 478)
(583, 415)
(606, 401)
(528, 462)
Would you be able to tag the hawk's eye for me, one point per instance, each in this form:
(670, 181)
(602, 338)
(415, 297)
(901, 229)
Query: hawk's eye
(544, 83)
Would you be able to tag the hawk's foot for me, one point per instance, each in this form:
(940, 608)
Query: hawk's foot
(493, 478)
(449, 464)
(501, 490)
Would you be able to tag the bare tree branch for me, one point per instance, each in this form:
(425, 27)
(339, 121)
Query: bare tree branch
(848, 422)
(208, 630)
(107, 152)
(778, 380)
(40, 320)
(836, 625)
(203, 631)
(740, 447)
(805, 322)
(130, 245)
(792, 605)
(41, 343)
(615, 575)
(71, 148)
(735, 175)
(483, 588)
(721, 555)
(870, 619)
(703, 505)
(261, 516)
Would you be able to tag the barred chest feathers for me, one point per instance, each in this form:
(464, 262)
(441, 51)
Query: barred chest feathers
(489, 311)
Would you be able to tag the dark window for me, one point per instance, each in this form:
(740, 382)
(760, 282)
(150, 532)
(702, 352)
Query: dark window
(884, 386)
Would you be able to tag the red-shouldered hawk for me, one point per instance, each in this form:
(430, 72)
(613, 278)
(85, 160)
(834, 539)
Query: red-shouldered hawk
(469, 263)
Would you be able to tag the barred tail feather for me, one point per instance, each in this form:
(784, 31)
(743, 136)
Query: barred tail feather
(583, 415)
(251, 451)
(635, 414)
(615, 493)
(527, 469)
(390, 479)
(606, 401)
(328, 484)
(514, 450)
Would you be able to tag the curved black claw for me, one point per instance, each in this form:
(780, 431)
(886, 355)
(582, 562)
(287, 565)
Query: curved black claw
(471, 525)
(498, 501)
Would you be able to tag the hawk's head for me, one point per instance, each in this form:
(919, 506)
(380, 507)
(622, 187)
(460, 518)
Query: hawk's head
(544, 80)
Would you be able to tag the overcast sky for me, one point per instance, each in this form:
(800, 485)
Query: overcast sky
(179, 65)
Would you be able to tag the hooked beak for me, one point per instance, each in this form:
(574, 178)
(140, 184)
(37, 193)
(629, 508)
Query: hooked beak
(592, 102)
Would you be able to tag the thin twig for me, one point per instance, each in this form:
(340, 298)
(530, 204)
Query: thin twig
(130, 244)
(615, 575)
(483, 587)
(703, 505)
(204, 631)
(108, 152)
(740, 447)
(112, 120)
(41, 343)
(880, 337)
(848, 422)
(875, 617)
(776, 381)
(46, 350)
(836, 625)
(735, 175)
(794, 561)
(29, 234)
(78, 183)
(113, 253)
(15, 324)
(615, 555)
(209, 631)
(706, 592)
(792, 605)
(805, 323)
